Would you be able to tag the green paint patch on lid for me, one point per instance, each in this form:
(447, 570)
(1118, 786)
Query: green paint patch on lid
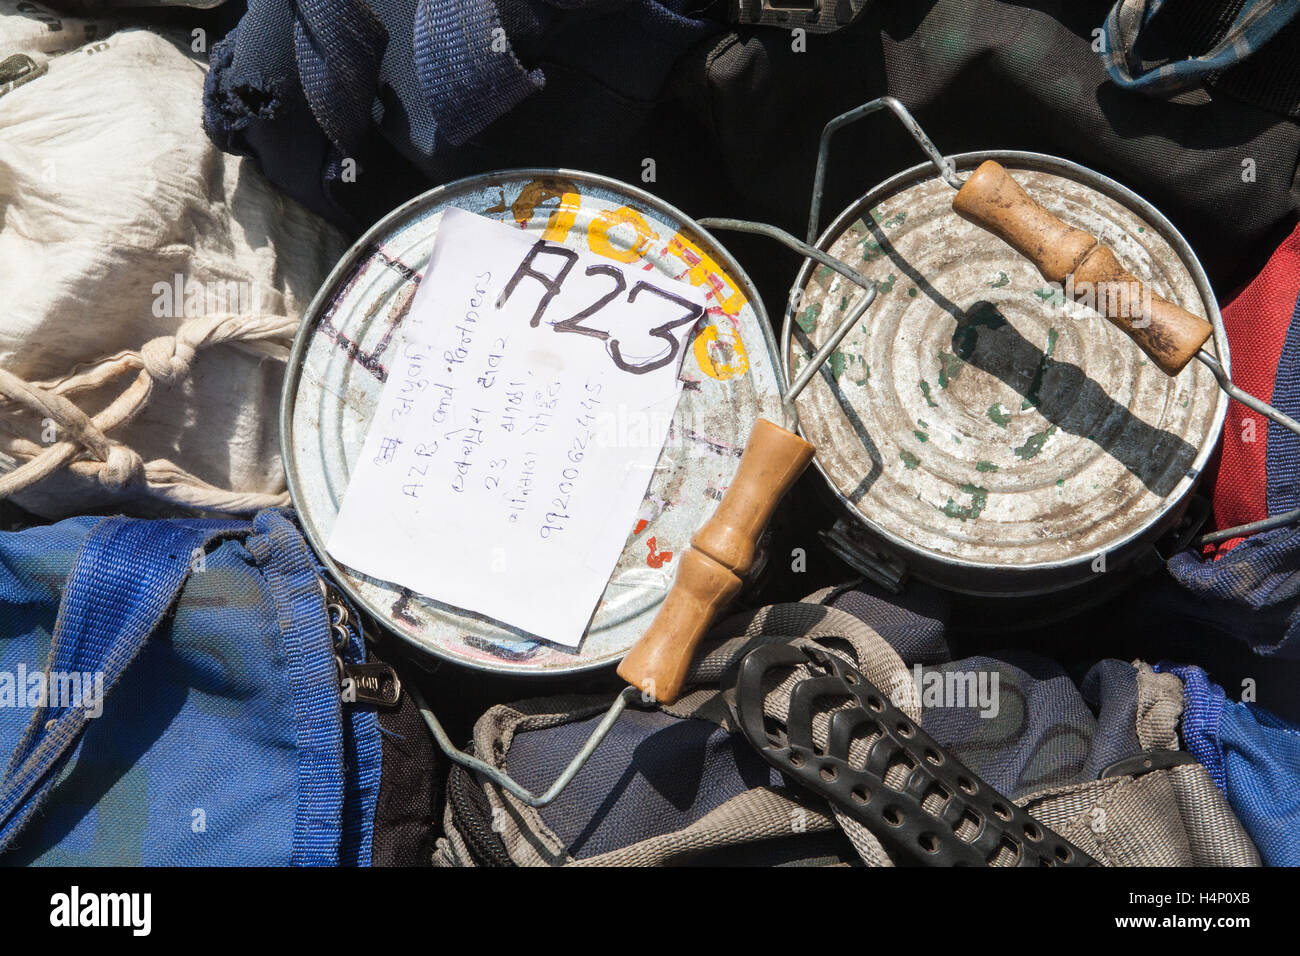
(950, 367)
(1033, 393)
(1000, 281)
(1000, 418)
(979, 498)
(912, 292)
(1051, 296)
(1034, 444)
(807, 319)
(887, 285)
(871, 249)
(920, 435)
(837, 363)
(985, 466)
(925, 390)
(909, 460)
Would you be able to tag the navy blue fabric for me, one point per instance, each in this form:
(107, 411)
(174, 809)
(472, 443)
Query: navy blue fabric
(1251, 593)
(338, 46)
(319, 90)
(912, 622)
(653, 774)
(1283, 463)
(456, 64)
(1045, 731)
(1048, 729)
(1110, 690)
(222, 738)
(1253, 757)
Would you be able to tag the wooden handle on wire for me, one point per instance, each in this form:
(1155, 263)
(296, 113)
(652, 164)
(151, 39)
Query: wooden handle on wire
(721, 552)
(1168, 334)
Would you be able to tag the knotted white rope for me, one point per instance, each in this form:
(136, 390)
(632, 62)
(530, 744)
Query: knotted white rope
(84, 446)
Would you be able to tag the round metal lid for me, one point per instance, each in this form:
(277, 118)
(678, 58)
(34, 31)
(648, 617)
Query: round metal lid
(975, 417)
(335, 375)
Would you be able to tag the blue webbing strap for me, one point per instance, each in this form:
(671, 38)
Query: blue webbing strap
(339, 46)
(127, 575)
(468, 79)
(291, 577)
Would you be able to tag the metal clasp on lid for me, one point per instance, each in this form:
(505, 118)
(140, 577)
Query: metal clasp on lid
(849, 542)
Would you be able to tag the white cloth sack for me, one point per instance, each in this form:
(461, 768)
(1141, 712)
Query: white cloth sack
(112, 200)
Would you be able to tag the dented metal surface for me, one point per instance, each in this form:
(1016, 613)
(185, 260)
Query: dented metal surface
(337, 369)
(992, 435)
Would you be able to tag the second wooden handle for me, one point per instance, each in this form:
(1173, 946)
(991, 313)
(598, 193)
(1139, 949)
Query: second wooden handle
(1168, 334)
(721, 553)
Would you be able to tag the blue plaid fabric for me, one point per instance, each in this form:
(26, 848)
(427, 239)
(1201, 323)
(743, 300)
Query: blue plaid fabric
(1254, 25)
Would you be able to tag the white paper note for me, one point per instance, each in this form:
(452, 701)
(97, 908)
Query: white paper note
(497, 474)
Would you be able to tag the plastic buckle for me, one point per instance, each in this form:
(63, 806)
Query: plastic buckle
(916, 819)
(1146, 762)
(815, 16)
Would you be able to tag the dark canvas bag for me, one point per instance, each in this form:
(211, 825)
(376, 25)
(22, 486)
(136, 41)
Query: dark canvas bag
(1219, 158)
(677, 786)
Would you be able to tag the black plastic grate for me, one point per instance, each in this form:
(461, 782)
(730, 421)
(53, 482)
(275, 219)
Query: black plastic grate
(924, 805)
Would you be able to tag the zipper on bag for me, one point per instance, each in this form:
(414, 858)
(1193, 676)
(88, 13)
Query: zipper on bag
(373, 684)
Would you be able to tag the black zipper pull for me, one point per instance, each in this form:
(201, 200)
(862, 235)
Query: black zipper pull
(374, 684)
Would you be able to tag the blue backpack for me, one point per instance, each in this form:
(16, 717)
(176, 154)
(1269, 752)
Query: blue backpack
(170, 695)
